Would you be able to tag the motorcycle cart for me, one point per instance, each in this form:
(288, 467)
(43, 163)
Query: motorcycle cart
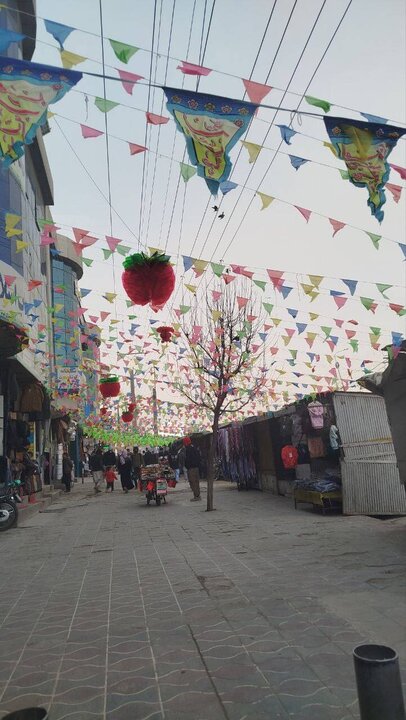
(154, 482)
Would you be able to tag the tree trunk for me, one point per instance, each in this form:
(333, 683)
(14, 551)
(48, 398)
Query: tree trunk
(211, 462)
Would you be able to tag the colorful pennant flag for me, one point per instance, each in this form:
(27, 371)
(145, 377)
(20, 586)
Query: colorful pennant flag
(105, 105)
(297, 162)
(187, 171)
(26, 90)
(375, 239)
(365, 148)
(316, 102)
(154, 119)
(400, 170)
(336, 225)
(256, 91)
(395, 191)
(128, 80)
(70, 59)
(306, 213)
(211, 126)
(266, 199)
(10, 222)
(7, 37)
(88, 132)
(226, 186)
(58, 31)
(188, 68)
(135, 149)
(286, 133)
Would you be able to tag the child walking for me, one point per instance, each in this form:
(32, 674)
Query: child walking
(110, 476)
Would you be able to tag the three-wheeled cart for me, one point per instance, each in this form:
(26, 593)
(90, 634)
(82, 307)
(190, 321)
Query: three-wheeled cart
(155, 480)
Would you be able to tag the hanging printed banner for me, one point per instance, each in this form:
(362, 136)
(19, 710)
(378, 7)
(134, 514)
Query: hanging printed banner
(26, 90)
(365, 148)
(212, 125)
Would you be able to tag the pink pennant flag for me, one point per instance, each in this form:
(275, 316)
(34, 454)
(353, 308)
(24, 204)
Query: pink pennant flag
(241, 302)
(89, 240)
(306, 213)
(350, 334)
(104, 315)
(340, 301)
(177, 312)
(156, 119)
(395, 190)
(251, 318)
(396, 308)
(290, 332)
(128, 80)
(78, 248)
(216, 295)
(337, 225)
(276, 278)
(256, 91)
(237, 268)
(79, 233)
(339, 323)
(188, 68)
(45, 239)
(112, 242)
(228, 278)
(93, 318)
(33, 284)
(89, 132)
(9, 280)
(400, 170)
(247, 273)
(135, 149)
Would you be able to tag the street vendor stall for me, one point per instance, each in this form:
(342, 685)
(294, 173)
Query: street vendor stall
(155, 480)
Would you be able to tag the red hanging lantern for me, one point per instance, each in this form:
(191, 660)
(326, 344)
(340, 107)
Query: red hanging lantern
(109, 386)
(131, 407)
(148, 279)
(103, 411)
(127, 416)
(165, 332)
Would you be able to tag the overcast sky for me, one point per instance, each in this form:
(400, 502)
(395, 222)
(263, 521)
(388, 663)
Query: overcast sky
(363, 70)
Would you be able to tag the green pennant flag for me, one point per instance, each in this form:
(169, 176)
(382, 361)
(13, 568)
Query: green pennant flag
(106, 253)
(367, 302)
(105, 105)
(344, 174)
(122, 51)
(260, 283)
(217, 269)
(326, 330)
(323, 104)
(268, 307)
(382, 287)
(375, 239)
(354, 345)
(187, 171)
(129, 304)
(184, 309)
(87, 261)
(293, 353)
(123, 249)
(375, 331)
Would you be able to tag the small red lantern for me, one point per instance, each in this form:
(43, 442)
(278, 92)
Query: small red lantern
(131, 407)
(103, 411)
(109, 386)
(148, 279)
(127, 416)
(165, 332)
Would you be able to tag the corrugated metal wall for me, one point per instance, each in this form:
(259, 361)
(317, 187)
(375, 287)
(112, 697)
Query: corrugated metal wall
(370, 478)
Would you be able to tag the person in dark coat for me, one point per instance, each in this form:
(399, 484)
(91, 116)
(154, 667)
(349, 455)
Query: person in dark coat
(125, 469)
(67, 466)
(192, 464)
(109, 458)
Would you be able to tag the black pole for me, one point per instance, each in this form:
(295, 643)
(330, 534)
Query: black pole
(378, 683)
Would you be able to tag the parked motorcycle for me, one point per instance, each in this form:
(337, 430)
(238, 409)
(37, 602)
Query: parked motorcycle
(8, 509)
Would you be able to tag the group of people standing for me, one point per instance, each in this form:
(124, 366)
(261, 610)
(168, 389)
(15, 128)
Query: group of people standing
(104, 466)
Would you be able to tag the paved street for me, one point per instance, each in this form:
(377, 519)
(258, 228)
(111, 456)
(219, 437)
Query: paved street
(112, 609)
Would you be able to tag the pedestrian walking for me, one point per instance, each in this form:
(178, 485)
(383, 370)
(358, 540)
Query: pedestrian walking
(125, 470)
(109, 458)
(97, 468)
(110, 476)
(174, 461)
(137, 463)
(67, 467)
(181, 461)
(192, 464)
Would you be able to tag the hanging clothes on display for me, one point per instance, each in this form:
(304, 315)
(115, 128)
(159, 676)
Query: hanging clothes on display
(316, 413)
(289, 457)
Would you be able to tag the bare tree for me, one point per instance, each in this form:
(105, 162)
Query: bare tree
(220, 332)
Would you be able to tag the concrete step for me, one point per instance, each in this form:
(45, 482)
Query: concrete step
(39, 502)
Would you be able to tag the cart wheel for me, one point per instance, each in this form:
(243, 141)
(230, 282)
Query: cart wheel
(158, 500)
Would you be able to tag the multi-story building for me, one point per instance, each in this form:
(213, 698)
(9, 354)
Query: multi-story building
(26, 192)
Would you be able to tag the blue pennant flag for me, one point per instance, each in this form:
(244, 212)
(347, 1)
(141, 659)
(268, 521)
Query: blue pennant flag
(336, 293)
(351, 284)
(292, 312)
(226, 186)
(7, 37)
(84, 292)
(187, 262)
(301, 327)
(374, 118)
(296, 162)
(263, 336)
(403, 249)
(286, 133)
(397, 338)
(285, 291)
(58, 31)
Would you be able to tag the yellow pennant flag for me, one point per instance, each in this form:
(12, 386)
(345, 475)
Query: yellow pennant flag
(11, 220)
(286, 339)
(266, 200)
(276, 321)
(192, 288)
(200, 265)
(216, 314)
(155, 250)
(50, 114)
(253, 150)
(114, 322)
(58, 307)
(313, 316)
(316, 280)
(20, 245)
(110, 297)
(329, 359)
(70, 59)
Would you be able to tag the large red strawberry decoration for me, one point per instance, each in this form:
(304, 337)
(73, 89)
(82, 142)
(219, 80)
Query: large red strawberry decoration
(127, 416)
(109, 386)
(148, 279)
